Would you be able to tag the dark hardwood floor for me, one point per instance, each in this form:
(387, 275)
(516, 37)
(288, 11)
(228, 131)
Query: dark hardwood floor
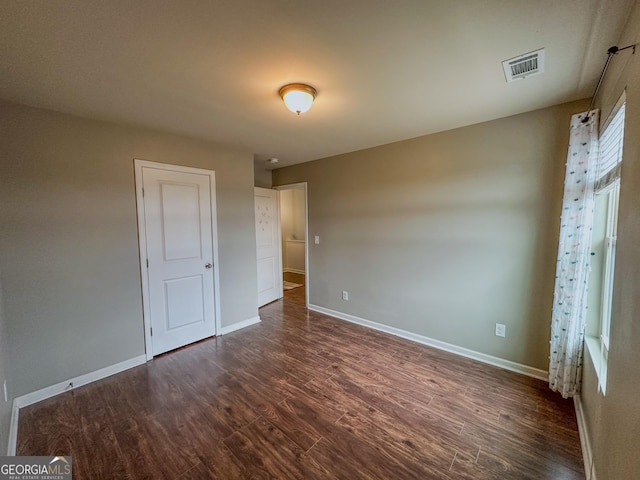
(296, 295)
(305, 396)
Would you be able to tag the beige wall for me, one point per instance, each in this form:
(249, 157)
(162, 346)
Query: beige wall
(613, 421)
(69, 243)
(5, 407)
(262, 176)
(447, 234)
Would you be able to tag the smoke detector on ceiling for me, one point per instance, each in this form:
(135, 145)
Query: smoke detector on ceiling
(523, 66)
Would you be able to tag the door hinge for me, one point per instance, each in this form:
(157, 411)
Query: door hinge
(151, 329)
(147, 263)
(143, 192)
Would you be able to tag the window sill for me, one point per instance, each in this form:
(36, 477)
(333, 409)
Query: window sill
(594, 347)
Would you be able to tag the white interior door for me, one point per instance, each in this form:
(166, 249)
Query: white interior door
(268, 245)
(179, 247)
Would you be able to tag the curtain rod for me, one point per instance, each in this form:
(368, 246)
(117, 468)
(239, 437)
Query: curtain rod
(610, 54)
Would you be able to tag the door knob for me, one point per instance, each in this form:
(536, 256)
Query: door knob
(208, 265)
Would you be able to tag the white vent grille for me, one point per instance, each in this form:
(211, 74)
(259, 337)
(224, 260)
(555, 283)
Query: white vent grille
(523, 66)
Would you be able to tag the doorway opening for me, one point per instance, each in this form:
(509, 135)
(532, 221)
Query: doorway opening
(295, 245)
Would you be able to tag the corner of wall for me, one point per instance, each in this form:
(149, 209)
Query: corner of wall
(261, 175)
(585, 440)
(5, 405)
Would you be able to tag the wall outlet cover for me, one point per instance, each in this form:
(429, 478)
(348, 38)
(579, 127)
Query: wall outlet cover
(501, 330)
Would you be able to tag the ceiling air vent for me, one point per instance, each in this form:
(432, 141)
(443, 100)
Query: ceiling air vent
(524, 66)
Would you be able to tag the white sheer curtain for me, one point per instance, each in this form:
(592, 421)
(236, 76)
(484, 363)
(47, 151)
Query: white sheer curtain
(573, 265)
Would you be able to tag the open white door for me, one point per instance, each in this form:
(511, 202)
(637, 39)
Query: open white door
(177, 226)
(268, 245)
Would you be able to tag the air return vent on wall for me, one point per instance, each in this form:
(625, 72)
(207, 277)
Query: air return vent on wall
(524, 66)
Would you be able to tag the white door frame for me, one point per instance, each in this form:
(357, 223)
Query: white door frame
(302, 186)
(142, 241)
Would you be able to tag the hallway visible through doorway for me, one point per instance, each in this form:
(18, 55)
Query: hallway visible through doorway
(295, 295)
(295, 246)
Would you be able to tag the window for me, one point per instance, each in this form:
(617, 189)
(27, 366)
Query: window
(613, 196)
(604, 242)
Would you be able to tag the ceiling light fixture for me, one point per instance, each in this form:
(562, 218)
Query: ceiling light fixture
(298, 97)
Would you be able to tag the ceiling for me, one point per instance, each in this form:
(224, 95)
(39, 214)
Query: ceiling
(385, 70)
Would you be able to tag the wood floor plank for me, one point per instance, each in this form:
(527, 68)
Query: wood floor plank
(428, 379)
(538, 425)
(151, 450)
(303, 395)
(405, 393)
(461, 407)
(254, 447)
(304, 416)
(216, 463)
(438, 430)
(465, 467)
(511, 463)
(525, 446)
(405, 445)
(354, 458)
(304, 434)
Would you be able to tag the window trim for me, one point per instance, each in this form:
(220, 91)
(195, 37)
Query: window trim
(607, 184)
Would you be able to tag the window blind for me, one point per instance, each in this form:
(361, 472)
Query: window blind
(610, 154)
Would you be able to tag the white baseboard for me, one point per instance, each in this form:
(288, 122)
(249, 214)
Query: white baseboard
(585, 442)
(292, 270)
(237, 326)
(13, 430)
(431, 342)
(79, 381)
(58, 388)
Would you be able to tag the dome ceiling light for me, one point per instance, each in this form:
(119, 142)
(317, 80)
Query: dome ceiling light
(298, 97)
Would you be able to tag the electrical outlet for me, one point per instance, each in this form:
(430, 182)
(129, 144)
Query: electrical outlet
(317, 239)
(345, 295)
(501, 330)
